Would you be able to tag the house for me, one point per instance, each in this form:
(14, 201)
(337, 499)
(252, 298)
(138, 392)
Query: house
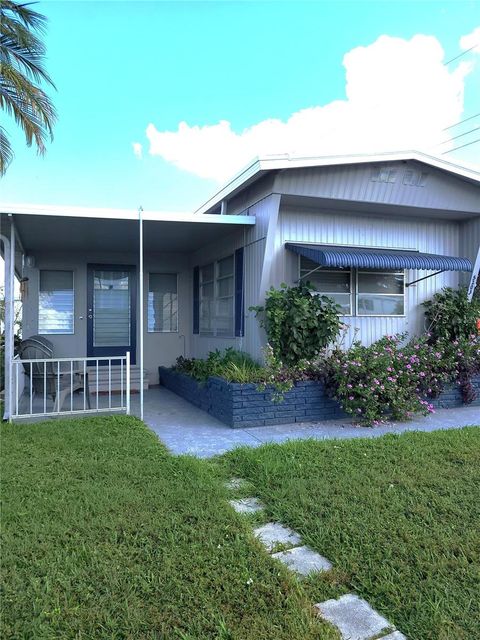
(379, 233)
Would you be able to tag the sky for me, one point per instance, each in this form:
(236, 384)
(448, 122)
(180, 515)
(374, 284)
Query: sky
(161, 102)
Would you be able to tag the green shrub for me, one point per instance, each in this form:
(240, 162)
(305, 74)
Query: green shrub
(450, 316)
(388, 380)
(298, 323)
(233, 365)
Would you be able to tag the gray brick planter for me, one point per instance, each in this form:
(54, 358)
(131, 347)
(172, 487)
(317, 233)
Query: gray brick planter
(243, 405)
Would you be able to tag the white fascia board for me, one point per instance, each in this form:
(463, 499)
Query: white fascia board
(260, 165)
(121, 214)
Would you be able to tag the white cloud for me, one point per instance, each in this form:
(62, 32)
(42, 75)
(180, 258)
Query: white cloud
(471, 40)
(400, 95)
(137, 149)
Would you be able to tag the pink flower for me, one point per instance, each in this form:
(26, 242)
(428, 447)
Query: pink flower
(409, 366)
(351, 398)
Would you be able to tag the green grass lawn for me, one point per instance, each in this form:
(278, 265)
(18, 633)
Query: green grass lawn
(105, 535)
(398, 516)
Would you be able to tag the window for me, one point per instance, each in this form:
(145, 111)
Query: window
(377, 293)
(335, 283)
(380, 293)
(55, 302)
(217, 298)
(162, 302)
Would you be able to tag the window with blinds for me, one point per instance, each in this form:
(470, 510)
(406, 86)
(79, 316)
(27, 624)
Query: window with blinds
(56, 302)
(162, 302)
(217, 298)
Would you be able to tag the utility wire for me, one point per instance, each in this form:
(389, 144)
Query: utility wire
(461, 146)
(461, 54)
(460, 135)
(461, 122)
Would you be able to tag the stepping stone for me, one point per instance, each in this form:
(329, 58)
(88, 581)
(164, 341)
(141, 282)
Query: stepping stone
(235, 483)
(303, 560)
(274, 533)
(354, 618)
(396, 635)
(247, 505)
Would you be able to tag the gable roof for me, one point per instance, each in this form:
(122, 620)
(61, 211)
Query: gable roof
(260, 166)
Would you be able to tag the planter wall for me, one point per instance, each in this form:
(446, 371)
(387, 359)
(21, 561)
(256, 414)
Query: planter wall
(451, 396)
(243, 405)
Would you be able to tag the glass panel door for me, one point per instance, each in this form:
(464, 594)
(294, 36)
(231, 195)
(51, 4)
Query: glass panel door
(111, 309)
(111, 300)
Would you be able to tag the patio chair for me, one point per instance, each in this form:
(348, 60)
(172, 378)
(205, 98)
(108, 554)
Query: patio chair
(48, 378)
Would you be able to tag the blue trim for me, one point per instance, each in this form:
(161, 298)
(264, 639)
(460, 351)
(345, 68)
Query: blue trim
(93, 351)
(239, 297)
(364, 258)
(196, 300)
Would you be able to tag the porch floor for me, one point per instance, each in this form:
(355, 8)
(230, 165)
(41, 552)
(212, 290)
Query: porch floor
(185, 429)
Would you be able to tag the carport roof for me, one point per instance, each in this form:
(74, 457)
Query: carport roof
(42, 228)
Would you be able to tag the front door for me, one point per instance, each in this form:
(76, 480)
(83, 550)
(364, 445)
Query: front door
(111, 310)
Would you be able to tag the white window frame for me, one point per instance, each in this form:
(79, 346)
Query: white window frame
(322, 293)
(392, 272)
(354, 290)
(162, 273)
(56, 333)
(216, 279)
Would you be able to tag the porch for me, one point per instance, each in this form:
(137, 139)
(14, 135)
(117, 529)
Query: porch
(95, 282)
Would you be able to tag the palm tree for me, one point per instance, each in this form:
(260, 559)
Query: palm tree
(21, 72)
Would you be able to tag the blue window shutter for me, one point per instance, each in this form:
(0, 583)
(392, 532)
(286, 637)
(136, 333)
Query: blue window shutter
(239, 297)
(196, 300)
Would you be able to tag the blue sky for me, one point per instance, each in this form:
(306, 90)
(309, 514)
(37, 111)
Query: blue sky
(121, 67)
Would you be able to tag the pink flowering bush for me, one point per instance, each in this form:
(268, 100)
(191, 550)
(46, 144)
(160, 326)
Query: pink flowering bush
(395, 380)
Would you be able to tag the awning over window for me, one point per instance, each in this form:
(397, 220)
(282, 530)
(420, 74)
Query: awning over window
(360, 257)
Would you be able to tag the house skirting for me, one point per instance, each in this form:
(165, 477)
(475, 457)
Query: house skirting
(244, 405)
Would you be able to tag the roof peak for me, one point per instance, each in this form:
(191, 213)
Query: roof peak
(261, 164)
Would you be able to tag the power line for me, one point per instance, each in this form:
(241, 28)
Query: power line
(460, 54)
(461, 146)
(461, 122)
(461, 135)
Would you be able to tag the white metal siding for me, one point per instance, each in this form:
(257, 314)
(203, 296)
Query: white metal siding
(358, 230)
(354, 183)
(254, 240)
(469, 242)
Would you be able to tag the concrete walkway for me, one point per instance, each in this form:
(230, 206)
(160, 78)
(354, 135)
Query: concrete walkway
(185, 429)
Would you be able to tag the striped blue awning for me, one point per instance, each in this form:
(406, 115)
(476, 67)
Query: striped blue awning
(360, 257)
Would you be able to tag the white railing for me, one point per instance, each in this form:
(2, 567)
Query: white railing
(65, 386)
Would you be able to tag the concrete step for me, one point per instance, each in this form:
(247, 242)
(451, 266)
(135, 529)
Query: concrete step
(103, 378)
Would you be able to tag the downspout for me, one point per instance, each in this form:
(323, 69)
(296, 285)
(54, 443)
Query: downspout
(9, 329)
(140, 295)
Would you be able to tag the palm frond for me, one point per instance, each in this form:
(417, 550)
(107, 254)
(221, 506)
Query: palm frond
(22, 54)
(29, 105)
(22, 12)
(6, 152)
